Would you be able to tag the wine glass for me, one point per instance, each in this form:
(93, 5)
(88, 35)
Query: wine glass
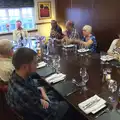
(82, 71)
(112, 87)
(76, 82)
(85, 79)
(102, 56)
(56, 63)
(86, 48)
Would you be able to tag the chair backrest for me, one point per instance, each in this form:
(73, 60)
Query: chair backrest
(3, 88)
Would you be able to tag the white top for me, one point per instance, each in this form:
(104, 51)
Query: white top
(113, 46)
(6, 69)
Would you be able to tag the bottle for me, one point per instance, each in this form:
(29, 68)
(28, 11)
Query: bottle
(118, 105)
(104, 76)
(119, 94)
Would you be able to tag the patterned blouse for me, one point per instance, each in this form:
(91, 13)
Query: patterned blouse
(94, 45)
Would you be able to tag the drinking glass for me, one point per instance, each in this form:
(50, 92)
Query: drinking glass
(102, 54)
(86, 48)
(56, 63)
(82, 71)
(78, 84)
(112, 87)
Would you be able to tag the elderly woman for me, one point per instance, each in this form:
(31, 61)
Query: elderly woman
(6, 67)
(88, 39)
(114, 49)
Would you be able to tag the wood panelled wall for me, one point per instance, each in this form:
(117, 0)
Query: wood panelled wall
(102, 15)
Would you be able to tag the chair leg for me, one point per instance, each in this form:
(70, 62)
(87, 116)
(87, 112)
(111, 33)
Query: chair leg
(1, 103)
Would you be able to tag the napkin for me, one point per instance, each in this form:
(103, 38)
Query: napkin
(69, 46)
(107, 58)
(41, 64)
(55, 78)
(92, 105)
(83, 50)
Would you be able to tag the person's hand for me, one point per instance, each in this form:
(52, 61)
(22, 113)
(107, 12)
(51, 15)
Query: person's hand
(44, 95)
(65, 39)
(81, 42)
(45, 104)
(53, 33)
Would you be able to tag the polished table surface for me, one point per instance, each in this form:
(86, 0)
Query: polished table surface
(70, 65)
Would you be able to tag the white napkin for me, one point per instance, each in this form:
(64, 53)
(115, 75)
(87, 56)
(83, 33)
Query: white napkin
(107, 58)
(55, 78)
(41, 64)
(69, 46)
(83, 50)
(95, 107)
(51, 77)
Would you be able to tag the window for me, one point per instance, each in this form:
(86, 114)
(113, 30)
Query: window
(11, 15)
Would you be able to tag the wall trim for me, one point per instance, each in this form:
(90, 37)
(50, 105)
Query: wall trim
(42, 23)
(9, 33)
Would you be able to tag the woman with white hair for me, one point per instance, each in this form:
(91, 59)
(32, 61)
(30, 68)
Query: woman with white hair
(88, 39)
(6, 67)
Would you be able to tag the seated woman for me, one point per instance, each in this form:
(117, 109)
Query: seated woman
(114, 49)
(88, 39)
(6, 66)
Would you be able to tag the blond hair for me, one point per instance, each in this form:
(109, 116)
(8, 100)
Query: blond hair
(5, 46)
(87, 28)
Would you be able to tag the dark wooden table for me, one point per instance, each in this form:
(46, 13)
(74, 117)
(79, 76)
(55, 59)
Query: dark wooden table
(70, 65)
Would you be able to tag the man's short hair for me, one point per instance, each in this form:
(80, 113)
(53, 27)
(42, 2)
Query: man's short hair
(70, 23)
(5, 46)
(19, 21)
(23, 56)
(54, 21)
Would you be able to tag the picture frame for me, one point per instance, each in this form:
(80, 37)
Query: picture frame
(44, 10)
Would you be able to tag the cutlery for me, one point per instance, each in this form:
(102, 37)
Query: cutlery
(91, 104)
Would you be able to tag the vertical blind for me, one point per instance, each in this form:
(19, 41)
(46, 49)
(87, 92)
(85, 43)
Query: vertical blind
(16, 3)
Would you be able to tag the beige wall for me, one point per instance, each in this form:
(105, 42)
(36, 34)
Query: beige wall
(44, 29)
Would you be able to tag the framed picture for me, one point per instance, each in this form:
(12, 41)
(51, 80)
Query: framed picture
(44, 10)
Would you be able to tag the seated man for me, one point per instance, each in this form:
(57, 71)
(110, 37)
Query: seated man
(71, 32)
(114, 49)
(6, 67)
(56, 31)
(23, 94)
(19, 34)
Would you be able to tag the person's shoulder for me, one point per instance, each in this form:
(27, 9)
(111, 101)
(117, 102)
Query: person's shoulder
(115, 41)
(92, 36)
(14, 31)
(59, 27)
(24, 30)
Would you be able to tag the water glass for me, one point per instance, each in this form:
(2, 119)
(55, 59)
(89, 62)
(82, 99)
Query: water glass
(82, 71)
(56, 63)
(112, 87)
